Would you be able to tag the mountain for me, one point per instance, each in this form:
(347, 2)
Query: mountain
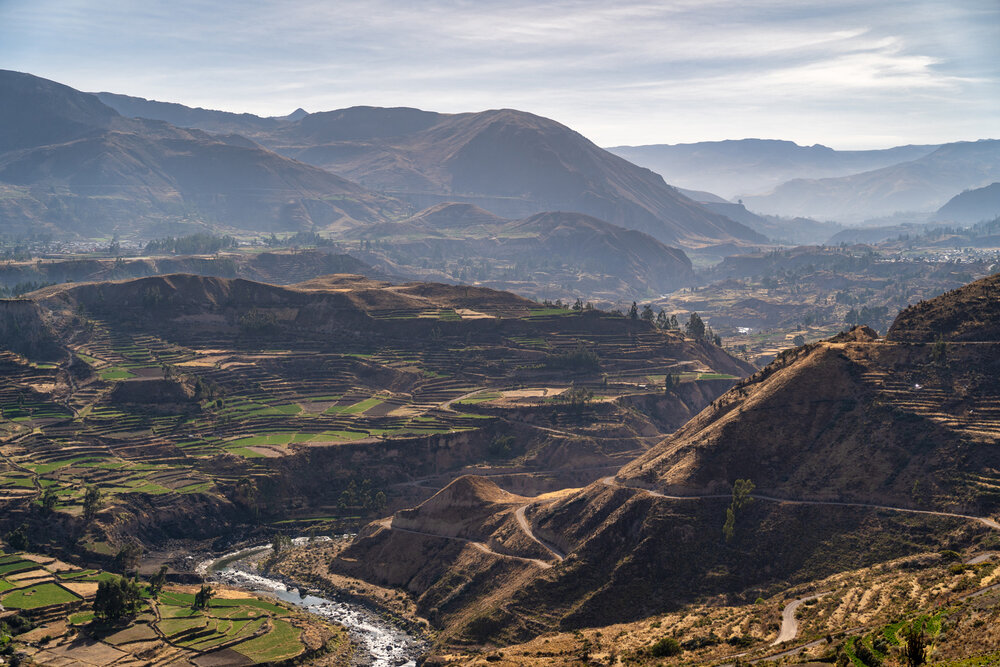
(74, 166)
(923, 184)
(859, 450)
(972, 206)
(218, 122)
(737, 167)
(547, 255)
(509, 162)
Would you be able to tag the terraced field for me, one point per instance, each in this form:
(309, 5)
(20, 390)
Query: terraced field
(52, 601)
(271, 410)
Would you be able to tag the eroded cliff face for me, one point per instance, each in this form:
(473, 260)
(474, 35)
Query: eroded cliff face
(23, 330)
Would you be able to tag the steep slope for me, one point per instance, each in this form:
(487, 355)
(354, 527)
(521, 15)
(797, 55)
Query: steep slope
(923, 184)
(970, 313)
(860, 449)
(87, 171)
(37, 112)
(510, 162)
(972, 206)
(738, 167)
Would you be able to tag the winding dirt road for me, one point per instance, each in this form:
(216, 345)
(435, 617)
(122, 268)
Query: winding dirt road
(525, 525)
(611, 481)
(790, 624)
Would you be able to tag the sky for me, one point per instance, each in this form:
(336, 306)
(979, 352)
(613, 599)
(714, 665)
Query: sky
(850, 75)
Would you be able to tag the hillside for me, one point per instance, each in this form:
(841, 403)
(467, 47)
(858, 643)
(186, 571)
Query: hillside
(509, 162)
(547, 255)
(73, 166)
(752, 166)
(512, 163)
(280, 267)
(923, 184)
(971, 206)
(970, 313)
(862, 449)
(206, 407)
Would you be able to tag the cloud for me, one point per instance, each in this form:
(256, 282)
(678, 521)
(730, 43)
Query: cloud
(627, 72)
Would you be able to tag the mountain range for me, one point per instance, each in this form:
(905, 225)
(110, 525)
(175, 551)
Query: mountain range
(509, 162)
(735, 168)
(71, 165)
(920, 185)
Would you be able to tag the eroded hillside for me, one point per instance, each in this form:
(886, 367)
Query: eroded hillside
(857, 450)
(245, 404)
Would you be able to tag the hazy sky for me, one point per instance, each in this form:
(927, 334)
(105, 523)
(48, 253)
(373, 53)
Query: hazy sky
(848, 74)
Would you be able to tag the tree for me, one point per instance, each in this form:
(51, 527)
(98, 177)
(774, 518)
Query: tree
(203, 597)
(914, 646)
(799, 340)
(280, 543)
(379, 502)
(116, 599)
(668, 383)
(17, 539)
(633, 312)
(128, 556)
(156, 583)
(742, 489)
(695, 326)
(91, 503)
(578, 304)
(647, 313)
(674, 323)
(662, 321)
(49, 500)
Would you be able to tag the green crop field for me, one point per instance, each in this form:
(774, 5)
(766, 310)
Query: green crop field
(279, 644)
(41, 595)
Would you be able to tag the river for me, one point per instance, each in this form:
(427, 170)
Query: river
(380, 643)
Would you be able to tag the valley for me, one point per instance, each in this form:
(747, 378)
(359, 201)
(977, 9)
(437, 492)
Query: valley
(387, 386)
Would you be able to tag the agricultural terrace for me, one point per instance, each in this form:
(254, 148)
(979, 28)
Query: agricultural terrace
(50, 604)
(157, 411)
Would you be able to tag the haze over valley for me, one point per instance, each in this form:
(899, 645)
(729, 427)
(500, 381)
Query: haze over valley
(489, 334)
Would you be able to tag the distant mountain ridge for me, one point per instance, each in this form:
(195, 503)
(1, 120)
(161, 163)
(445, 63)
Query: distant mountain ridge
(510, 162)
(72, 165)
(972, 206)
(752, 166)
(921, 185)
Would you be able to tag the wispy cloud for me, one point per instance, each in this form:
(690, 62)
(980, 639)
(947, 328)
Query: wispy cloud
(847, 73)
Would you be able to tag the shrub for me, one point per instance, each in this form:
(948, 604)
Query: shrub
(581, 359)
(665, 647)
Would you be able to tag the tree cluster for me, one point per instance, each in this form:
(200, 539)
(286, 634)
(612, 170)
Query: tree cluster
(363, 495)
(195, 244)
(116, 599)
(580, 360)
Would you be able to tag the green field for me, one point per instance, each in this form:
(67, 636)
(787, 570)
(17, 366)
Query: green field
(41, 595)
